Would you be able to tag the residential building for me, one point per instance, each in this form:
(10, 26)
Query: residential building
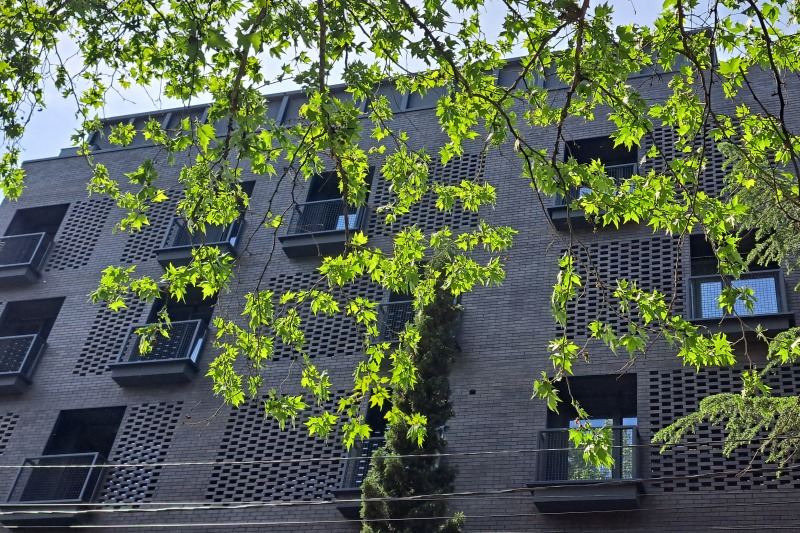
(77, 393)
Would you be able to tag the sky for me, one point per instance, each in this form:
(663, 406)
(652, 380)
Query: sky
(50, 128)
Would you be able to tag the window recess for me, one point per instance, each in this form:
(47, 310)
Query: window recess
(564, 481)
(318, 226)
(619, 162)
(770, 309)
(28, 239)
(170, 360)
(67, 474)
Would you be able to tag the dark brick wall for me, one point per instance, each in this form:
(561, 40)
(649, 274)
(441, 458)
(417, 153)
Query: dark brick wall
(237, 457)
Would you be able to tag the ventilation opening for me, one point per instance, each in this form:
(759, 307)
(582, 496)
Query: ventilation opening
(30, 317)
(37, 220)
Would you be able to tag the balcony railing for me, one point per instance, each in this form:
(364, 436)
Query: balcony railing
(357, 468)
(618, 173)
(21, 256)
(18, 357)
(171, 360)
(324, 215)
(392, 319)
(559, 461)
(69, 478)
(768, 290)
(178, 235)
(185, 342)
(179, 241)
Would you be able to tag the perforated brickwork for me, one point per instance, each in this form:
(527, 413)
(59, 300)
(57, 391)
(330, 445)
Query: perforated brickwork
(105, 338)
(8, 422)
(248, 437)
(79, 234)
(326, 336)
(713, 176)
(141, 244)
(425, 214)
(677, 393)
(650, 261)
(142, 441)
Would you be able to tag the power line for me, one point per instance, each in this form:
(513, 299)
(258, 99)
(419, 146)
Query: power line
(698, 447)
(114, 507)
(700, 504)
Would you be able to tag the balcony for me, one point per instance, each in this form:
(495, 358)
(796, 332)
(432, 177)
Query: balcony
(392, 319)
(18, 357)
(22, 257)
(563, 217)
(770, 310)
(179, 241)
(564, 482)
(59, 482)
(355, 471)
(318, 228)
(171, 360)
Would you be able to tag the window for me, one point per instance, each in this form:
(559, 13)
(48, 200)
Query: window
(564, 481)
(620, 164)
(79, 443)
(611, 401)
(319, 225)
(706, 286)
(28, 238)
(179, 241)
(394, 315)
(24, 328)
(357, 466)
(170, 360)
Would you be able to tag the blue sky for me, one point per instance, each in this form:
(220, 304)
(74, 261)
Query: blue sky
(50, 129)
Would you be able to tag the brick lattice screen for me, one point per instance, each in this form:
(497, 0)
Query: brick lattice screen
(106, 335)
(141, 244)
(8, 422)
(79, 234)
(713, 176)
(248, 437)
(327, 336)
(142, 441)
(651, 262)
(677, 393)
(425, 214)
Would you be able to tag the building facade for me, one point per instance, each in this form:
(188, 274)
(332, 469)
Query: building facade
(76, 393)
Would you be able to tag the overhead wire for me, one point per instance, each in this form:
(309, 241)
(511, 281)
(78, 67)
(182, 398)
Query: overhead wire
(260, 523)
(700, 446)
(117, 507)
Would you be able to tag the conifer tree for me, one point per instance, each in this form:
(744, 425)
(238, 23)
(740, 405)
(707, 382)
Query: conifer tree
(395, 475)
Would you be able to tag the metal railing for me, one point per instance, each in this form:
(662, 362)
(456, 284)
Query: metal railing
(392, 319)
(28, 249)
(18, 354)
(357, 468)
(67, 478)
(185, 342)
(179, 236)
(768, 288)
(324, 215)
(559, 460)
(618, 173)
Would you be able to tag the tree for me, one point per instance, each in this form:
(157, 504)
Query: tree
(220, 50)
(395, 474)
